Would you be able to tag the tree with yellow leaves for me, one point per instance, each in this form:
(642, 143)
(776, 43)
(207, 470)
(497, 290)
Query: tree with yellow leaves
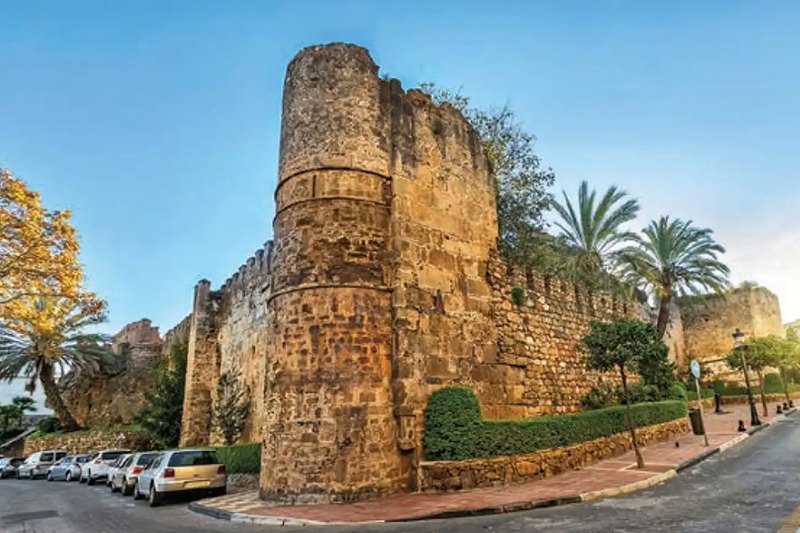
(43, 307)
(46, 339)
(38, 248)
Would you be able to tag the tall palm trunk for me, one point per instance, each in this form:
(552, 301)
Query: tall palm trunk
(53, 396)
(760, 373)
(629, 419)
(663, 310)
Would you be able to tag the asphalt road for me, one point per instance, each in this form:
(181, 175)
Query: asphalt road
(753, 487)
(58, 507)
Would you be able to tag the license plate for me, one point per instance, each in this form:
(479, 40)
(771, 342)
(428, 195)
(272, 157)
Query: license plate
(196, 484)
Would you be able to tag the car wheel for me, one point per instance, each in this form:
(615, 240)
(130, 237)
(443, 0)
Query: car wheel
(89, 479)
(68, 477)
(126, 489)
(154, 497)
(49, 476)
(136, 495)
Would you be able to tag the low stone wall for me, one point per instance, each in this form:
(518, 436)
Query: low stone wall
(460, 475)
(86, 441)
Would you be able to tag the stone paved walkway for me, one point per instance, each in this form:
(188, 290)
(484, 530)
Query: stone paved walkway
(606, 478)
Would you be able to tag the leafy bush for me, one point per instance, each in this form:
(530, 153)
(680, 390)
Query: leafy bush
(455, 430)
(241, 458)
(773, 382)
(677, 392)
(451, 418)
(518, 296)
(641, 392)
(48, 425)
(599, 396)
(160, 417)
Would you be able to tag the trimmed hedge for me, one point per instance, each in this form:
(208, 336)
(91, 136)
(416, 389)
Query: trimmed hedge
(704, 393)
(455, 429)
(241, 458)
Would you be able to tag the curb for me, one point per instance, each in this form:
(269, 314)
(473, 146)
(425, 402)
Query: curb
(483, 511)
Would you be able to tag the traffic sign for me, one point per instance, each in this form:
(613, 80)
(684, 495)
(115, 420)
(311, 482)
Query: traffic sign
(695, 367)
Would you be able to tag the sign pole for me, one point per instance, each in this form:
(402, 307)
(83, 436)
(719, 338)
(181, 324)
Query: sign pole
(700, 406)
(694, 366)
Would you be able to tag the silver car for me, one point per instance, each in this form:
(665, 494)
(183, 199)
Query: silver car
(112, 468)
(128, 471)
(61, 468)
(180, 471)
(9, 466)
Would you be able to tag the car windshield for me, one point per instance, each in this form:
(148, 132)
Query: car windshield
(17, 462)
(81, 458)
(108, 456)
(145, 458)
(192, 458)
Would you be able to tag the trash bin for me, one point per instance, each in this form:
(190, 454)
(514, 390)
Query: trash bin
(697, 422)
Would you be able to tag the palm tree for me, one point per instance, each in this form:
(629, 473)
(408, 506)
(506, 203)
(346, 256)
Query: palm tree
(8, 413)
(673, 257)
(24, 404)
(45, 343)
(595, 230)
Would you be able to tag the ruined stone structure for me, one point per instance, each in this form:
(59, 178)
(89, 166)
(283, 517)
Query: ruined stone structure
(382, 283)
(708, 323)
(115, 394)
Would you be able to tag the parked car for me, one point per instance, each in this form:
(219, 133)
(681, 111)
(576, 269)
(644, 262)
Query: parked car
(9, 466)
(125, 477)
(74, 472)
(113, 467)
(37, 463)
(97, 467)
(59, 469)
(181, 471)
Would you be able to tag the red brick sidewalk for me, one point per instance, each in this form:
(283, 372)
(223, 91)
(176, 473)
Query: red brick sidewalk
(606, 478)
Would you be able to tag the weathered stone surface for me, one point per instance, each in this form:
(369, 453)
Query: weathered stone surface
(382, 284)
(86, 441)
(461, 475)
(710, 321)
(112, 396)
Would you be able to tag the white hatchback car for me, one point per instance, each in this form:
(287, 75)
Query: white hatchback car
(97, 467)
(128, 471)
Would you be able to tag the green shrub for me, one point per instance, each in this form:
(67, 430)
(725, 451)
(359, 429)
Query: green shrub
(518, 296)
(640, 392)
(241, 458)
(454, 429)
(48, 425)
(773, 383)
(677, 392)
(451, 417)
(704, 393)
(599, 396)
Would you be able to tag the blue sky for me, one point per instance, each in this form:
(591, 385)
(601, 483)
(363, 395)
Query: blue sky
(157, 123)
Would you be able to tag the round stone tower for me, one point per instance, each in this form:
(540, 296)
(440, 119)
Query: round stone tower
(328, 428)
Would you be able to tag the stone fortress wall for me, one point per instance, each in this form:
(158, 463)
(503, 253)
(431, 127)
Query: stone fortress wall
(383, 283)
(708, 324)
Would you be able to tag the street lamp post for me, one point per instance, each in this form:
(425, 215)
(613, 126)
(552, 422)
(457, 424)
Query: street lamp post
(741, 347)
